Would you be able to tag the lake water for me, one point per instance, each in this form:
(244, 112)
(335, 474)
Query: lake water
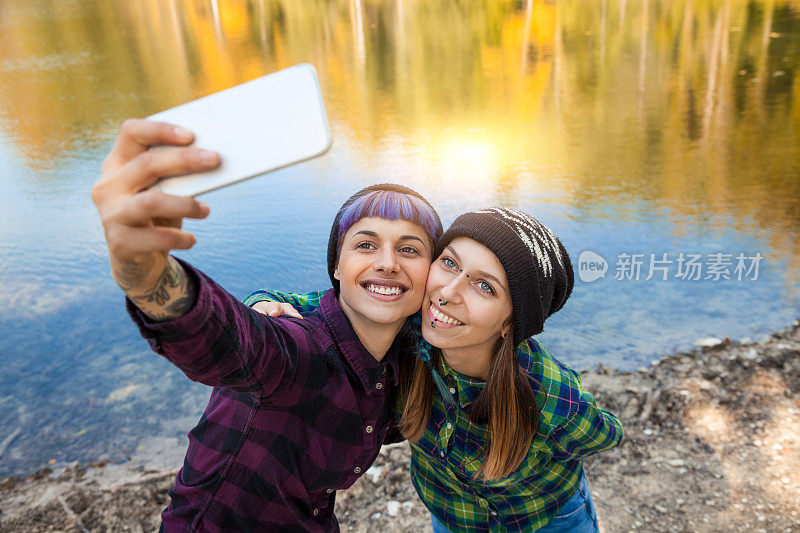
(633, 129)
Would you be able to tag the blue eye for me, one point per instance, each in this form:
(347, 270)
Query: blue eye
(449, 263)
(485, 287)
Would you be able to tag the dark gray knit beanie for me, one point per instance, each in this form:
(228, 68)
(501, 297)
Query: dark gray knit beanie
(537, 265)
(333, 240)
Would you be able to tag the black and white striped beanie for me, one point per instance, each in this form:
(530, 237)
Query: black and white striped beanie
(537, 265)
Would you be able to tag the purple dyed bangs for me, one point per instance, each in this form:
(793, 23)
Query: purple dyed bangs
(390, 205)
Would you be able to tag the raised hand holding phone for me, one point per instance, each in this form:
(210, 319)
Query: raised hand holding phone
(149, 177)
(142, 226)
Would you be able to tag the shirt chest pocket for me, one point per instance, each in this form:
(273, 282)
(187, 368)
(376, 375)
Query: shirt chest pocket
(469, 454)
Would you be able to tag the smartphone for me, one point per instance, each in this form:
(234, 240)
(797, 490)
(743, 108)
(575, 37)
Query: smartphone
(256, 127)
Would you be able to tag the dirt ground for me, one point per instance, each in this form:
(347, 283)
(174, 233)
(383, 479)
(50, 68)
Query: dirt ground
(712, 443)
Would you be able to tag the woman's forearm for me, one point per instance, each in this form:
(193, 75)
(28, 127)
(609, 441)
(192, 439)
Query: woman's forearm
(166, 296)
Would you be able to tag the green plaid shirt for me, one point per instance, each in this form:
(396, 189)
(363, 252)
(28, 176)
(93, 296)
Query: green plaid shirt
(304, 303)
(445, 460)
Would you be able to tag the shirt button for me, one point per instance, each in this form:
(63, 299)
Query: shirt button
(494, 513)
(449, 425)
(369, 429)
(328, 490)
(357, 470)
(316, 512)
(379, 386)
(441, 453)
(452, 390)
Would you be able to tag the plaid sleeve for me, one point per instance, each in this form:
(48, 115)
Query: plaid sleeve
(302, 302)
(222, 343)
(589, 429)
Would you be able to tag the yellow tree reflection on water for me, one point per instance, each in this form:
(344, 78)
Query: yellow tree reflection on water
(685, 104)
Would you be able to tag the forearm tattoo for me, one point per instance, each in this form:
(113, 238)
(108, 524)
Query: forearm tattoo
(129, 274)
(171, 296)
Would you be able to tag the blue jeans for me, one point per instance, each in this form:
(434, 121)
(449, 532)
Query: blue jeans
(576, 516)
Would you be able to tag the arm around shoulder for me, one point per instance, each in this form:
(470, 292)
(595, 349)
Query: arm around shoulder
(303, 303)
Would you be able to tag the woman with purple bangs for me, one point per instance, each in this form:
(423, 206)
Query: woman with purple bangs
(300, 408)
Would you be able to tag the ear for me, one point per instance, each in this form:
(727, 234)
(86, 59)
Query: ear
(336, 275)
(506, 329)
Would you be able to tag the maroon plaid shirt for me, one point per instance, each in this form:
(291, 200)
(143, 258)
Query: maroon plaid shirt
(299, 409)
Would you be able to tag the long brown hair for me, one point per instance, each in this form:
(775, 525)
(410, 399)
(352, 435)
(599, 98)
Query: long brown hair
(506, 403)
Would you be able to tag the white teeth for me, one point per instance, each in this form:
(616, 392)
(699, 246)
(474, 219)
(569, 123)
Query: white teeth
(380, 289)
(441, 317)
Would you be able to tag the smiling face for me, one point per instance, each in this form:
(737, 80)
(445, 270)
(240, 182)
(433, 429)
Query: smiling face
(382, 268)
(467, 302)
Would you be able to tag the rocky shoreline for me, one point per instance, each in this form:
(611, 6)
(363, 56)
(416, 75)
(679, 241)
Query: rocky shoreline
(712, 443)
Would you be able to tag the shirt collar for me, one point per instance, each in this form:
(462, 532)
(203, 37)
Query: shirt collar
(366, 367)
(468, 389)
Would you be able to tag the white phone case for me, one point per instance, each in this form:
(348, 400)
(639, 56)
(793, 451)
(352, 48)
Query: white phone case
(262, 125)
